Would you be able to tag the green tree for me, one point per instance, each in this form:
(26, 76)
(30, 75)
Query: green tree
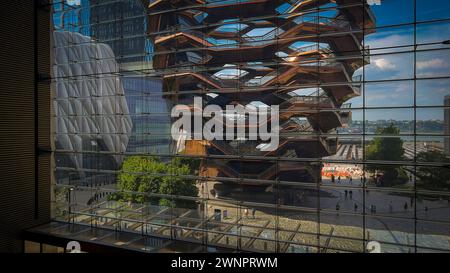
(176, 185)
(387, 148)
(192, 163)
(61, 201)
(433, 178)
(141, 176)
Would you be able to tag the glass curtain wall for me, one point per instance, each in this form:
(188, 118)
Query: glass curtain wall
(364, 112)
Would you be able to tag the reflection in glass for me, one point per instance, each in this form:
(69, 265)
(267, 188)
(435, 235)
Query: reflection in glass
(363, 150)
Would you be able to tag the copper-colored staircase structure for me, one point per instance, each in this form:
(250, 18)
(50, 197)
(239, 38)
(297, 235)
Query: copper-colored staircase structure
(196, 42)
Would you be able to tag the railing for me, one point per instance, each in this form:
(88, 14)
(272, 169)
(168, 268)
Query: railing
(309, 99)
(307, 48)
(260, 81)
(357, 78)
(336, 22)
(346, 106)
(304, 125)
(315, 97)
(226, 81)
(366, 52)
(196, 59)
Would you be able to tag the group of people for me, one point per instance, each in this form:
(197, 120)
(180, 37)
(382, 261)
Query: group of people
(373, 208)
(349, 193)
(339, 179)
(333, 170)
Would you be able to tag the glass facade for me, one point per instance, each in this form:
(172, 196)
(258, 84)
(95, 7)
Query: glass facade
(362, 91)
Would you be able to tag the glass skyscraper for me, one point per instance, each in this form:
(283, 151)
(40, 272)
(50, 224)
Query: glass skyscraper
(363, 154)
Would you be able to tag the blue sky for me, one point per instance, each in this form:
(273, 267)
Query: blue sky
(400, 66)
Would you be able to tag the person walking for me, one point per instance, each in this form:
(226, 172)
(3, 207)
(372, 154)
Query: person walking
(406, 206)
(351, 195)
(254, 213)
(355, 207)
(246, 213)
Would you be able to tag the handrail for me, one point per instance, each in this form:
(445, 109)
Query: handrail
(346, 106)
(298, 20)
(309, 99)
(357, 78)
(312, 47)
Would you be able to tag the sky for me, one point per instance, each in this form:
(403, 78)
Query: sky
(400, 66)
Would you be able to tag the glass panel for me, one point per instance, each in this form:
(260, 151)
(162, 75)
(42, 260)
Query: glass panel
(394, 12)
(390, 67)
(432, 10)
(361, 135)
(432, 64)
(389, 94)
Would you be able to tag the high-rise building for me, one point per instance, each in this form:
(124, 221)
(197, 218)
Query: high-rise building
(123, 25)
(72, 15)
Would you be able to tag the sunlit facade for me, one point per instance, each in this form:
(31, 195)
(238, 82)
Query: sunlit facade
(362, 88)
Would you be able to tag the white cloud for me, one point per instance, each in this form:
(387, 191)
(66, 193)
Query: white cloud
(432, 64)
(390, 92)
(384, 64)
(377, 41)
